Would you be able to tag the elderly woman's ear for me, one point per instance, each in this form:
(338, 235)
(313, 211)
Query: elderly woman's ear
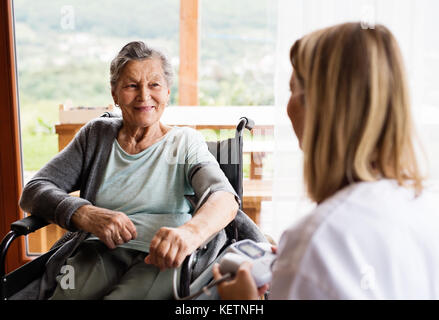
(114, 98)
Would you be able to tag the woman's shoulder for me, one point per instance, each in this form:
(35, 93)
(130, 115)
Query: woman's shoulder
(362, 211)
(361, 225)
(103, 123)
(98, 130)
(360, 207)
(101, 126)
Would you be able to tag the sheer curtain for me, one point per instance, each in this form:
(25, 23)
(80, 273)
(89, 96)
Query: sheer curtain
(415, 25)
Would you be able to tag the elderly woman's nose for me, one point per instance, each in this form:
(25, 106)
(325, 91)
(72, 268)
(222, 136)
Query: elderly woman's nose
(145, 92)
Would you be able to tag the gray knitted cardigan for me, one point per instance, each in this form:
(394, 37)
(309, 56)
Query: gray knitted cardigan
(81, 166)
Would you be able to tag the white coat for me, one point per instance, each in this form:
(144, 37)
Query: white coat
(371, 240)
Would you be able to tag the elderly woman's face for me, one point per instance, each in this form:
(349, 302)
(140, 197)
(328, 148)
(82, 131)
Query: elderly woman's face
(296, 109)
(142, 92)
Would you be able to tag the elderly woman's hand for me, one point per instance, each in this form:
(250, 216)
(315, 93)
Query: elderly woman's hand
(170, 246)
(111, 227)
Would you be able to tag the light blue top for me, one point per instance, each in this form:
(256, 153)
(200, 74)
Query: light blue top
(150, 186)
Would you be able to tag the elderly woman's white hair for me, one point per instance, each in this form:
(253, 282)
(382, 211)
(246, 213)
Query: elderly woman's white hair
(138, 50)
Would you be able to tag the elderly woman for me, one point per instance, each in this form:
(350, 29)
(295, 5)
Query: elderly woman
(374, 232)
(133, 223)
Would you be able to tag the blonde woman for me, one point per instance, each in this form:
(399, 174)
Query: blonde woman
(374, 233)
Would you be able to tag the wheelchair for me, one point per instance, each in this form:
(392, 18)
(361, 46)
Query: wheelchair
(195, 271)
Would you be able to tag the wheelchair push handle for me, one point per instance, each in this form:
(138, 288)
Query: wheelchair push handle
(244, 122)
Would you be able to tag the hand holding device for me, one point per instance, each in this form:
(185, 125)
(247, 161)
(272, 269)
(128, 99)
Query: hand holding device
(260, 255)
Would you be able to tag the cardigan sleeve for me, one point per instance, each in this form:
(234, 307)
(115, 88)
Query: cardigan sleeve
(47, 194)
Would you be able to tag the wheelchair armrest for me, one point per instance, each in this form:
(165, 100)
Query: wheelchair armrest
(27, 225)
(18, 228)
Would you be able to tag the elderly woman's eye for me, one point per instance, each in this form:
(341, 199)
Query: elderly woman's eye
(155, 84)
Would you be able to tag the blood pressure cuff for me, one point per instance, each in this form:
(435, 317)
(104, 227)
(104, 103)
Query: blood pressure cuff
(207, 178)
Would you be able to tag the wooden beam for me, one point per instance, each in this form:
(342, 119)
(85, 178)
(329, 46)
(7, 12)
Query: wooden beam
(189, 53)
(10, 152)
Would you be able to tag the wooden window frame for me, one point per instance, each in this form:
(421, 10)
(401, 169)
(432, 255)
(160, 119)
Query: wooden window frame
(10, 146)
(189, 53)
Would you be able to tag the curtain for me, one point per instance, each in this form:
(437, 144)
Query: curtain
(415, 25)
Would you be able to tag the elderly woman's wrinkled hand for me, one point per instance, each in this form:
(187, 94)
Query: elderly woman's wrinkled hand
(113, 228)
(170, 246)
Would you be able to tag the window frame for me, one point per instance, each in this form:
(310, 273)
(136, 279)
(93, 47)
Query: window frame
(10, 144)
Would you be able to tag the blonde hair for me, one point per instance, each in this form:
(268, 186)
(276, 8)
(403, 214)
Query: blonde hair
(358, 124)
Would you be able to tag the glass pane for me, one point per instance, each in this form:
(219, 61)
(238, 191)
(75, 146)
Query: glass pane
(237, 55)
(64, 49)
(237, 68)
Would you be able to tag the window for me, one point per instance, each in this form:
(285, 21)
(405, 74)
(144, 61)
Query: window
(238, 42)
(64, 49)
(237, 63)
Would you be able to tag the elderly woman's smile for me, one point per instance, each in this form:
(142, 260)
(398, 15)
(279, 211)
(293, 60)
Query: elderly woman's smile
(144, 108)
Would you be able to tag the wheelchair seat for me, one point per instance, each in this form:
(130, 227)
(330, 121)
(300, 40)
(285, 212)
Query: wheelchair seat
(30, 279)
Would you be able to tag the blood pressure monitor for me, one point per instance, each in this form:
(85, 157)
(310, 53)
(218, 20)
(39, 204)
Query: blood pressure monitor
(259, 254)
